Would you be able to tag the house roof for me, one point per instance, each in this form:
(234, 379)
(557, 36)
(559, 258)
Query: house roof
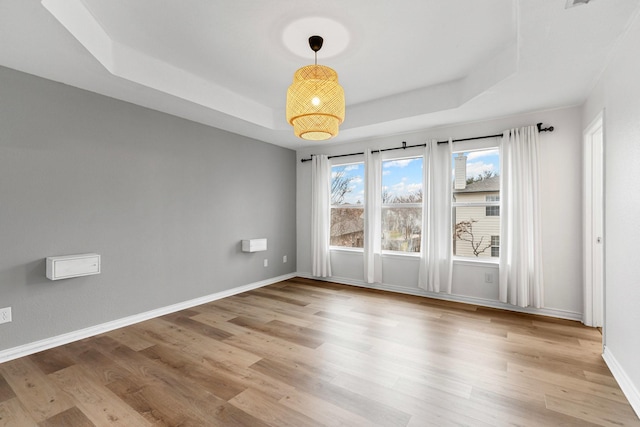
(481, 186)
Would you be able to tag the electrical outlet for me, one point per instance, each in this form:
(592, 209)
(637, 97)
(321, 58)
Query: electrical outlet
(5, 315)
(284, 259)
(488, 278)
(266, 262)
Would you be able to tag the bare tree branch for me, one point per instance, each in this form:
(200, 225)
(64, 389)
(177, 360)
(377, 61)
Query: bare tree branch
(464, 231)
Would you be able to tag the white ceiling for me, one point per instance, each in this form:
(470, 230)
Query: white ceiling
(404, 65)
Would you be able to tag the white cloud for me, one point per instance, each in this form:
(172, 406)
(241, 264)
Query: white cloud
(475, 155)
(412, 188)
(355, 187)
(478, 168)
(398, 163)
(403, 189)
(344, 170)
(398, 187)
(352, 197)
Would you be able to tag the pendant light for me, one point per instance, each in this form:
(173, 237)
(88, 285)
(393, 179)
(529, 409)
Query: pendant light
(315, 100)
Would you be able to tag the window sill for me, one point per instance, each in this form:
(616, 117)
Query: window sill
(416, 255)
(471, 261)
(405, 255)
(385, 254)
(344, 249)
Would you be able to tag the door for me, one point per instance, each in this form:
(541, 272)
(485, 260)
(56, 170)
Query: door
(593, 209)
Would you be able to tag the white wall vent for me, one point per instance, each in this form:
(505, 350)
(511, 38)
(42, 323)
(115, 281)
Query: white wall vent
(254, 245)
(67, 266)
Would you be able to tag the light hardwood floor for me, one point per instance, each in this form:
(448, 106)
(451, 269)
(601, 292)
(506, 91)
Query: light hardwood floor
(303, 353)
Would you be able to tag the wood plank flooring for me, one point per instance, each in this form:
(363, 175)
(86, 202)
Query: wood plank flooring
(307, 353)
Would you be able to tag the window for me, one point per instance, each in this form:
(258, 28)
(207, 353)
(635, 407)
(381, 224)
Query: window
(402, 204)
(347, 205)
(401, 216)
(476, 203)
(495, 246)
(492, 210)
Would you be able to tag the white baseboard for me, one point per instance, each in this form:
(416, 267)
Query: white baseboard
(549, 312)
(47, 343)
(626, 385)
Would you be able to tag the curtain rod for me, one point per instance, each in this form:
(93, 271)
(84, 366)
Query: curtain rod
(405, 146)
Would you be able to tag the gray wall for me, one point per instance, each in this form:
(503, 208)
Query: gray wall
(165, 201)
(618, 93)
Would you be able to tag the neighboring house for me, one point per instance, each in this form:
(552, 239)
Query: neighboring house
(347, 227)
(477, 227)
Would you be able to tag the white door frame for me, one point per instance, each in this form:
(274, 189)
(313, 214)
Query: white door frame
(593, 216)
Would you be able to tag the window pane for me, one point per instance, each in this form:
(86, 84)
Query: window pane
(492, 211)
(476, 171)
(495, 246)
(475, 233)
(347, 205)
(402, 185)
(347, 184)
(401, 229)
(476, 181)
(402, 181)
(347, 227)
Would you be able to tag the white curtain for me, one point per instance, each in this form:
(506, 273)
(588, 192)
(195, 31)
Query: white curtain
(320, 215)
(520, 240)
(373, 218)
(437, 232)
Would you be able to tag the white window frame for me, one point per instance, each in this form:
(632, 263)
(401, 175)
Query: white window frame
(468, 147)
(489, 205)
(345, 161)
(408, 153)
(495, 246)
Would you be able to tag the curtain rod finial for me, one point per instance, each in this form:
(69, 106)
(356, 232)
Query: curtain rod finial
(541, 129)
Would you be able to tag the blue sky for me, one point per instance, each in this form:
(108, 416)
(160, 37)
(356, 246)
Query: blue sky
(356, 173)
(401, 177)
(480, 161)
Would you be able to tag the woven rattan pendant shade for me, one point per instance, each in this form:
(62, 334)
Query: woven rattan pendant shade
(315, 103)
